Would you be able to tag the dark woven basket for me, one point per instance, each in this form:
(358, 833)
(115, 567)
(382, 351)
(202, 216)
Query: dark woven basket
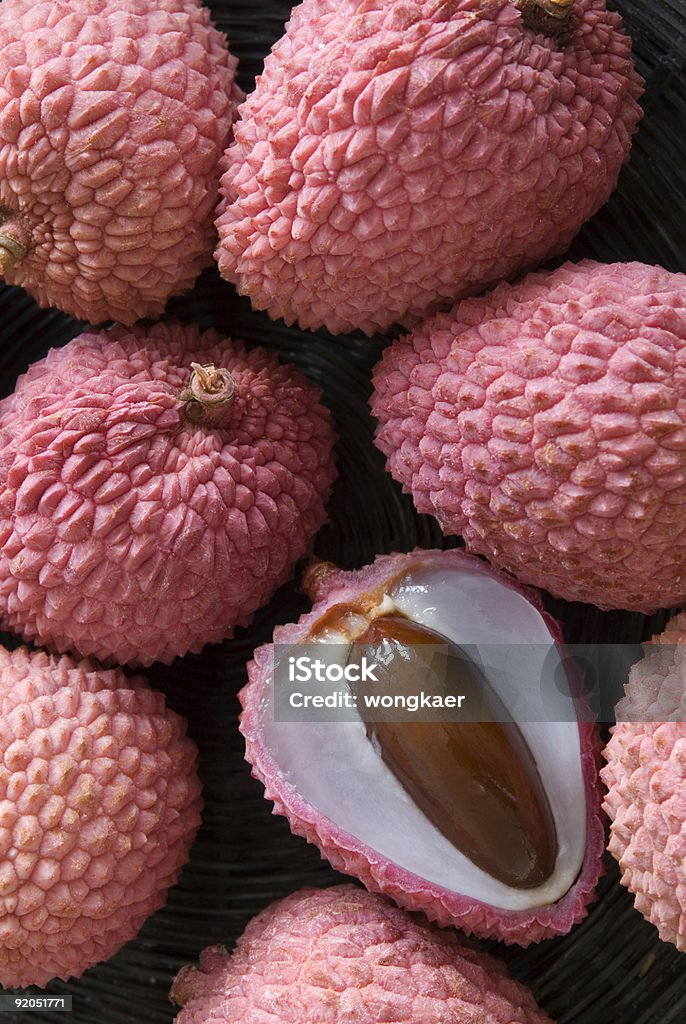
(612, 969)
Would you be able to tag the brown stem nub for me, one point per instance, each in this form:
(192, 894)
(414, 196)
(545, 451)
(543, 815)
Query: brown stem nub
(316, 577)
(549, 16)
(15, 238)
(556, 8)
(12, 251)
(209, 393)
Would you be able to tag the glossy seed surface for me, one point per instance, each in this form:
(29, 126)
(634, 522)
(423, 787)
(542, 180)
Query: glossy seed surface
(476, 781)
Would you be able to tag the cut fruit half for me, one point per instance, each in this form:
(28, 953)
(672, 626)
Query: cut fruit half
(493, 826)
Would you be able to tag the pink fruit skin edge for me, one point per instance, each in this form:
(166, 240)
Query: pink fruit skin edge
(348, 855)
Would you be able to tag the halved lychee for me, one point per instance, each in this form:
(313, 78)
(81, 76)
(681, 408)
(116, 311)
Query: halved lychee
(494, 826)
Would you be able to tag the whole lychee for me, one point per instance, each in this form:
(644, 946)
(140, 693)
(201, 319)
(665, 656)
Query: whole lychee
(99, 804)
(545, 423)
(347, 956)
(645, 777)
(396, 156)
(492, 823)
(156, 487)
(113, 119)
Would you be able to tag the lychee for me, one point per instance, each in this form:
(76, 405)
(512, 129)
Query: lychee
(400, 154)
(645, 775)
(673, 633)
(491, 824)
(156, 487)
(545, 423)
(344, 955)
(99, 804)
(113, 119)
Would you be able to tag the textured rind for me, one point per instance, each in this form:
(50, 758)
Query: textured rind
(645, 776)
(345, 955)
(127, 533)
(348, 854)
(674, 632)
(395, 156)
(113, 120)
(646, 801)
(99, 804)
(656, 688)
(546, 424)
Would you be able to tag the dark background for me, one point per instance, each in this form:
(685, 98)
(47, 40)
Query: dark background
(612, 969)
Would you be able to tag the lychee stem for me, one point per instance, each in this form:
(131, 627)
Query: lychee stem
(209, 393)
(556, 8)
(316, 576)
(12, 251)
(14, 239)
(548, 16)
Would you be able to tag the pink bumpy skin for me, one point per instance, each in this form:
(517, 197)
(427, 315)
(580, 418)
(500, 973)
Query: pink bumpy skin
(674, 633)
(99, 805)
(347, 956)
(546, 424)
(130, 533)
(113, 119)
(645, 776)
(399, 154)
(346, 852)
